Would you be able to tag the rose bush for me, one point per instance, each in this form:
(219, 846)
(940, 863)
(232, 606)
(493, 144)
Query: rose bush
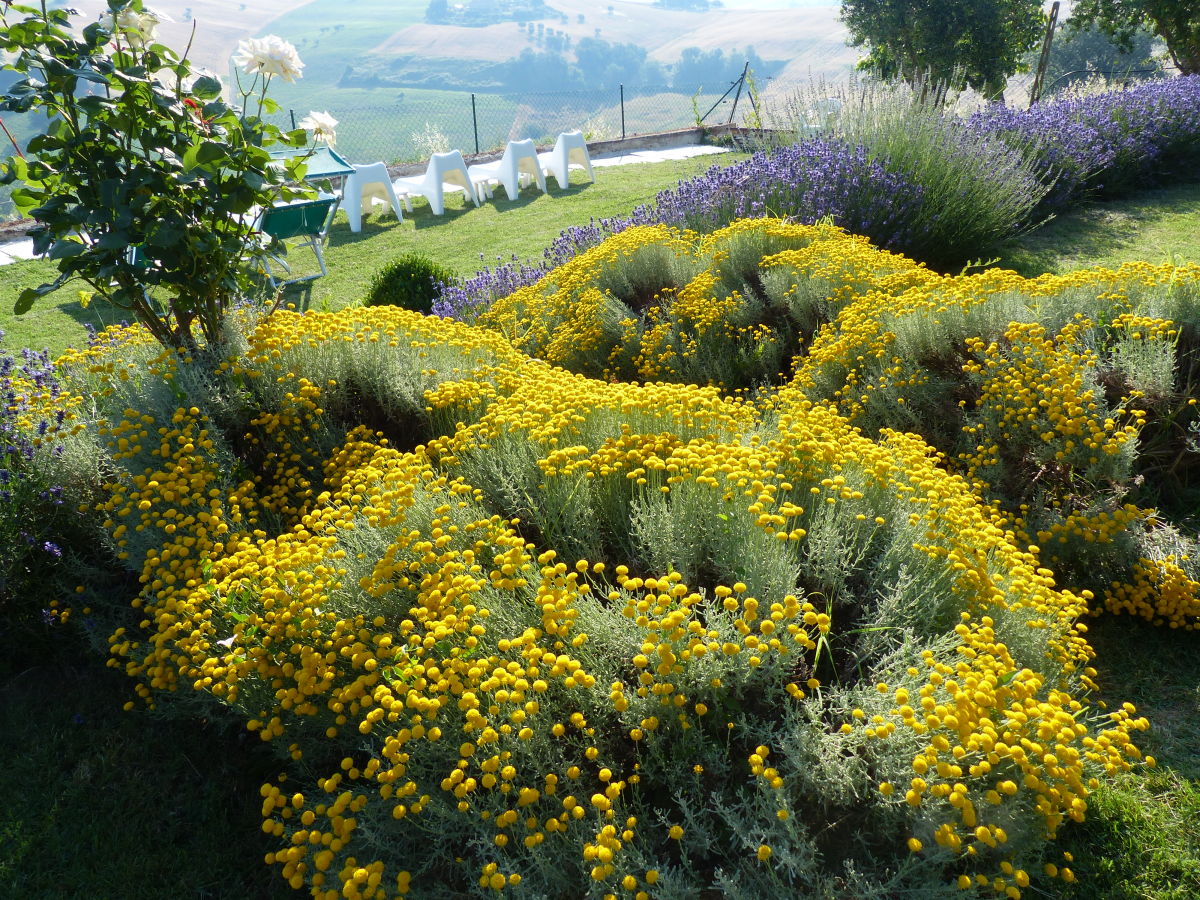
(144, 184)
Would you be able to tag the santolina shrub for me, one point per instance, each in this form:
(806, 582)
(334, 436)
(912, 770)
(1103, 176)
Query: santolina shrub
(548, 634)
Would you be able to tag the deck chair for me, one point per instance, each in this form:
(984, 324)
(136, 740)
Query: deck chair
(518, 164)
(446, 171)
(570, 151)
(364, 187)
(308, 220)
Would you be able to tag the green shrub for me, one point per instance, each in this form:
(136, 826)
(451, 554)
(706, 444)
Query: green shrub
(409, 282)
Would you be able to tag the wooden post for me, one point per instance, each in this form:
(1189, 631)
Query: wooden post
(1035, 92)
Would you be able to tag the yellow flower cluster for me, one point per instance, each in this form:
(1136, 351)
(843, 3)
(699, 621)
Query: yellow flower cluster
(403, 609)
(1161, 591)
(652, 302)
(1035, 390)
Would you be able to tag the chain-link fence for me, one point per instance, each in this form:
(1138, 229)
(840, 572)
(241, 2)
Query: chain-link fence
(416, 124)
(407, 126)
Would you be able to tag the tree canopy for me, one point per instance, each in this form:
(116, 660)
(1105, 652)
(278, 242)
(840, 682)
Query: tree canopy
(1176, 21)
(981, 41)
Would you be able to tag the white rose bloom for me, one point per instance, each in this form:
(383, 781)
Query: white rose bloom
(322, 126)
(139, 28)
(271, 55)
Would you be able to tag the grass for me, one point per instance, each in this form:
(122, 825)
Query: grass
(1158, 225)
(463, 239)
(77, 818)
(1141, 837)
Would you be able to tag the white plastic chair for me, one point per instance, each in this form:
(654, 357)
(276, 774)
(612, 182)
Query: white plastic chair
(446, 171)
(570, 151)
(823, 114)
(366, 185)
(518, 164)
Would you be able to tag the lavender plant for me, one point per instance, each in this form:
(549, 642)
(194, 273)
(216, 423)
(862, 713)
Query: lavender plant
(1104, 143)
(976, 189)
(808, 182)
(33, 517)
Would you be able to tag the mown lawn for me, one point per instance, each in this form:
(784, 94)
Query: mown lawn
(1155, 226)
(464, 239)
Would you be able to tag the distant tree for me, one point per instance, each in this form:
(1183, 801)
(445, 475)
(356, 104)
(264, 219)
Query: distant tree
(711, 67)
(1081, 51)
(438, 11)
(698, 66)
(604, 64)
(983, 41)
(580, 18)
(541, 71)
(1176, 21)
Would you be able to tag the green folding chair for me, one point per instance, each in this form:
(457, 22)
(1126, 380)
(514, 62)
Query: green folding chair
(308, 220)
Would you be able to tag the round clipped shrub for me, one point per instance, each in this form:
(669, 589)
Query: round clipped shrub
(410, 281)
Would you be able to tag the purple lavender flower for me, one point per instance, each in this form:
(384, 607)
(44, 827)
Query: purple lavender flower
(1104, 143)
(1079, 146)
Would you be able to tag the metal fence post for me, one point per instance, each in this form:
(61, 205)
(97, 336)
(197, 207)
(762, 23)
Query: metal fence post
(738, 95)
(622, 112)
(475, 124)
(292, 113)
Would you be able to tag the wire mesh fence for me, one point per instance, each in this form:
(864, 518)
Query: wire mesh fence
(406, 125)
(416, 124)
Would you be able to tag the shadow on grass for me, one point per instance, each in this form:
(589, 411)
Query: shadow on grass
(1141, 836)
(422, 217)
(95, 316)
(98, 802)
(1099, 230)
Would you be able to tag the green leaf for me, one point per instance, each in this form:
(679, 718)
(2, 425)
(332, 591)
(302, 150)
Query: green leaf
(190, 160)
(114, 240)
(66, 247)
(206, 88)
(89, 75)
(29, 295)
(19, 168)
(211, 151)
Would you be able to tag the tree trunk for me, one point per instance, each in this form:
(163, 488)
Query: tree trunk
(1183, 43)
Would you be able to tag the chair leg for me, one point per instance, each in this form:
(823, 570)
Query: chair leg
(395, 202)
(354, 212)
